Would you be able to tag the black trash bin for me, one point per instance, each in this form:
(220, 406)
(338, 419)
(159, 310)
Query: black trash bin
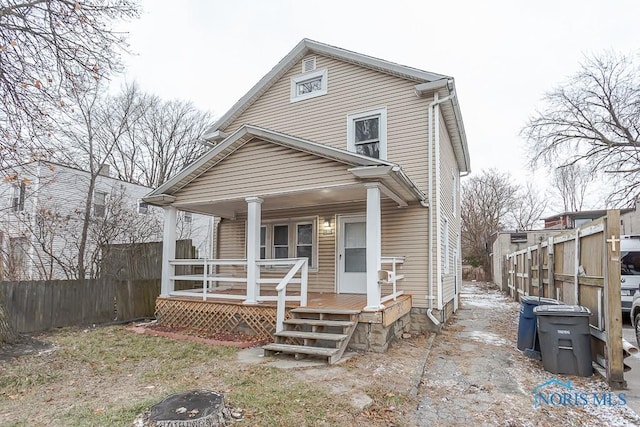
(527, 329)
(565, 339)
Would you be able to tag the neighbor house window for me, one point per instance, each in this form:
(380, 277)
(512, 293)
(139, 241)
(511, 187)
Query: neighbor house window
(18, 197)
(293, 239)
(367, 133)
(18, 250)
(99, 203)
(309, 85)
(143, 207)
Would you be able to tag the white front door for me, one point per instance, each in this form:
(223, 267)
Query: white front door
(352, 255)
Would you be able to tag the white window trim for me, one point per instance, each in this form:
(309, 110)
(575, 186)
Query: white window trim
(292, 223)
(309, 76)
(382, 129)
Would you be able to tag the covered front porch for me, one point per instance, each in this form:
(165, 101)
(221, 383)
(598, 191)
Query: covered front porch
(296, 220)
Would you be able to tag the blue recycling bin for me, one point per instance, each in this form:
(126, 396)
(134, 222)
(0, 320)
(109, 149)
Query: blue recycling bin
(528, 340)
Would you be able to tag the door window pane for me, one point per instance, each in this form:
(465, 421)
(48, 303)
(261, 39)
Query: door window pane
(355, 235)
(355, 260)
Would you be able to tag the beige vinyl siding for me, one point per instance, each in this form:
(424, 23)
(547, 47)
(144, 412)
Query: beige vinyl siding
(351, 89)
(448, 165)
(259, 168)
(404, 233)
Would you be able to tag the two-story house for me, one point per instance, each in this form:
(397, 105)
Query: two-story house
(42, 207)
(345, 169)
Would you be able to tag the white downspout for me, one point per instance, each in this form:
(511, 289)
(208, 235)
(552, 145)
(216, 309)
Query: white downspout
(431, 107)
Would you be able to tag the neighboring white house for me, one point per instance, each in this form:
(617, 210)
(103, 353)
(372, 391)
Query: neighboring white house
(42, 205)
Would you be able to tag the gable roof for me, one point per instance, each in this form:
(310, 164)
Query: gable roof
(304, 48)
(246, 133)
(427, 83)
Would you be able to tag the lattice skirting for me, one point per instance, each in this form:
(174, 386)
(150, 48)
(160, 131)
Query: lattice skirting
(217, 317)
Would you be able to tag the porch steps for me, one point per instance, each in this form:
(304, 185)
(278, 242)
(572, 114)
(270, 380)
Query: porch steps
(312, 335)
(319, 332)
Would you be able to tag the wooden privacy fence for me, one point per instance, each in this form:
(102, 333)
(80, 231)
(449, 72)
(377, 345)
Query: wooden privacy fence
(581, 267)
(41, 305)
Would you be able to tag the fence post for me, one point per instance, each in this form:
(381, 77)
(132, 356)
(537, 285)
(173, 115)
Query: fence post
(540, 271)
(612, 306)
(529, 272)
(551, 261)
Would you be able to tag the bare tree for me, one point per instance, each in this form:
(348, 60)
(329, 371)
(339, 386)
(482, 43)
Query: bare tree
(49, 49)
(487, 201)
(527, 208)
(571, 182)
(86, 137)
(164, 138)
(593, 118)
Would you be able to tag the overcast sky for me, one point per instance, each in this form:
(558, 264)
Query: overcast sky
(503, 54)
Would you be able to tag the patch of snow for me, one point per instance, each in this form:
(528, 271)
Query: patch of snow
(485, 337)
(486, 303)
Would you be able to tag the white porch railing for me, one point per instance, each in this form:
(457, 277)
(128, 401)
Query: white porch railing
(393, 276)
(210, 279)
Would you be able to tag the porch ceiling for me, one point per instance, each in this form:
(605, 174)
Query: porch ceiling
(230, 208)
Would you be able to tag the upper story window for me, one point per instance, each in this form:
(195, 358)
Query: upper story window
(309, 85)
(367, 133)
(99, 203)
(17, 203)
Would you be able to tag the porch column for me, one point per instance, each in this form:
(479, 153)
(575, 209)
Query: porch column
(374, 246)
(168, 250)
(254, 205)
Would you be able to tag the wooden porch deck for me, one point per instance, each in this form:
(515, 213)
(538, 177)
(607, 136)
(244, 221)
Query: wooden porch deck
(232, 316)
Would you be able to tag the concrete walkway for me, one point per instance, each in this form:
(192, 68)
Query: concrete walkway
(476, 376)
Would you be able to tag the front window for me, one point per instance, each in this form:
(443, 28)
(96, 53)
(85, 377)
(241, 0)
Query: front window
(295, 239)
(263, 242)
(281, 241)
(367, 133)
(304, 244)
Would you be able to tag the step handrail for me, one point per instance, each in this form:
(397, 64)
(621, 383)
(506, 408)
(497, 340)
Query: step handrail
(301, 264)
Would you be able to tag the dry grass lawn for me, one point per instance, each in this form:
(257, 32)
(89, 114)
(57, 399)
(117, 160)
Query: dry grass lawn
(106, 376)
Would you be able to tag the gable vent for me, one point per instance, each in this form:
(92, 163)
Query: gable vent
(308, 64)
